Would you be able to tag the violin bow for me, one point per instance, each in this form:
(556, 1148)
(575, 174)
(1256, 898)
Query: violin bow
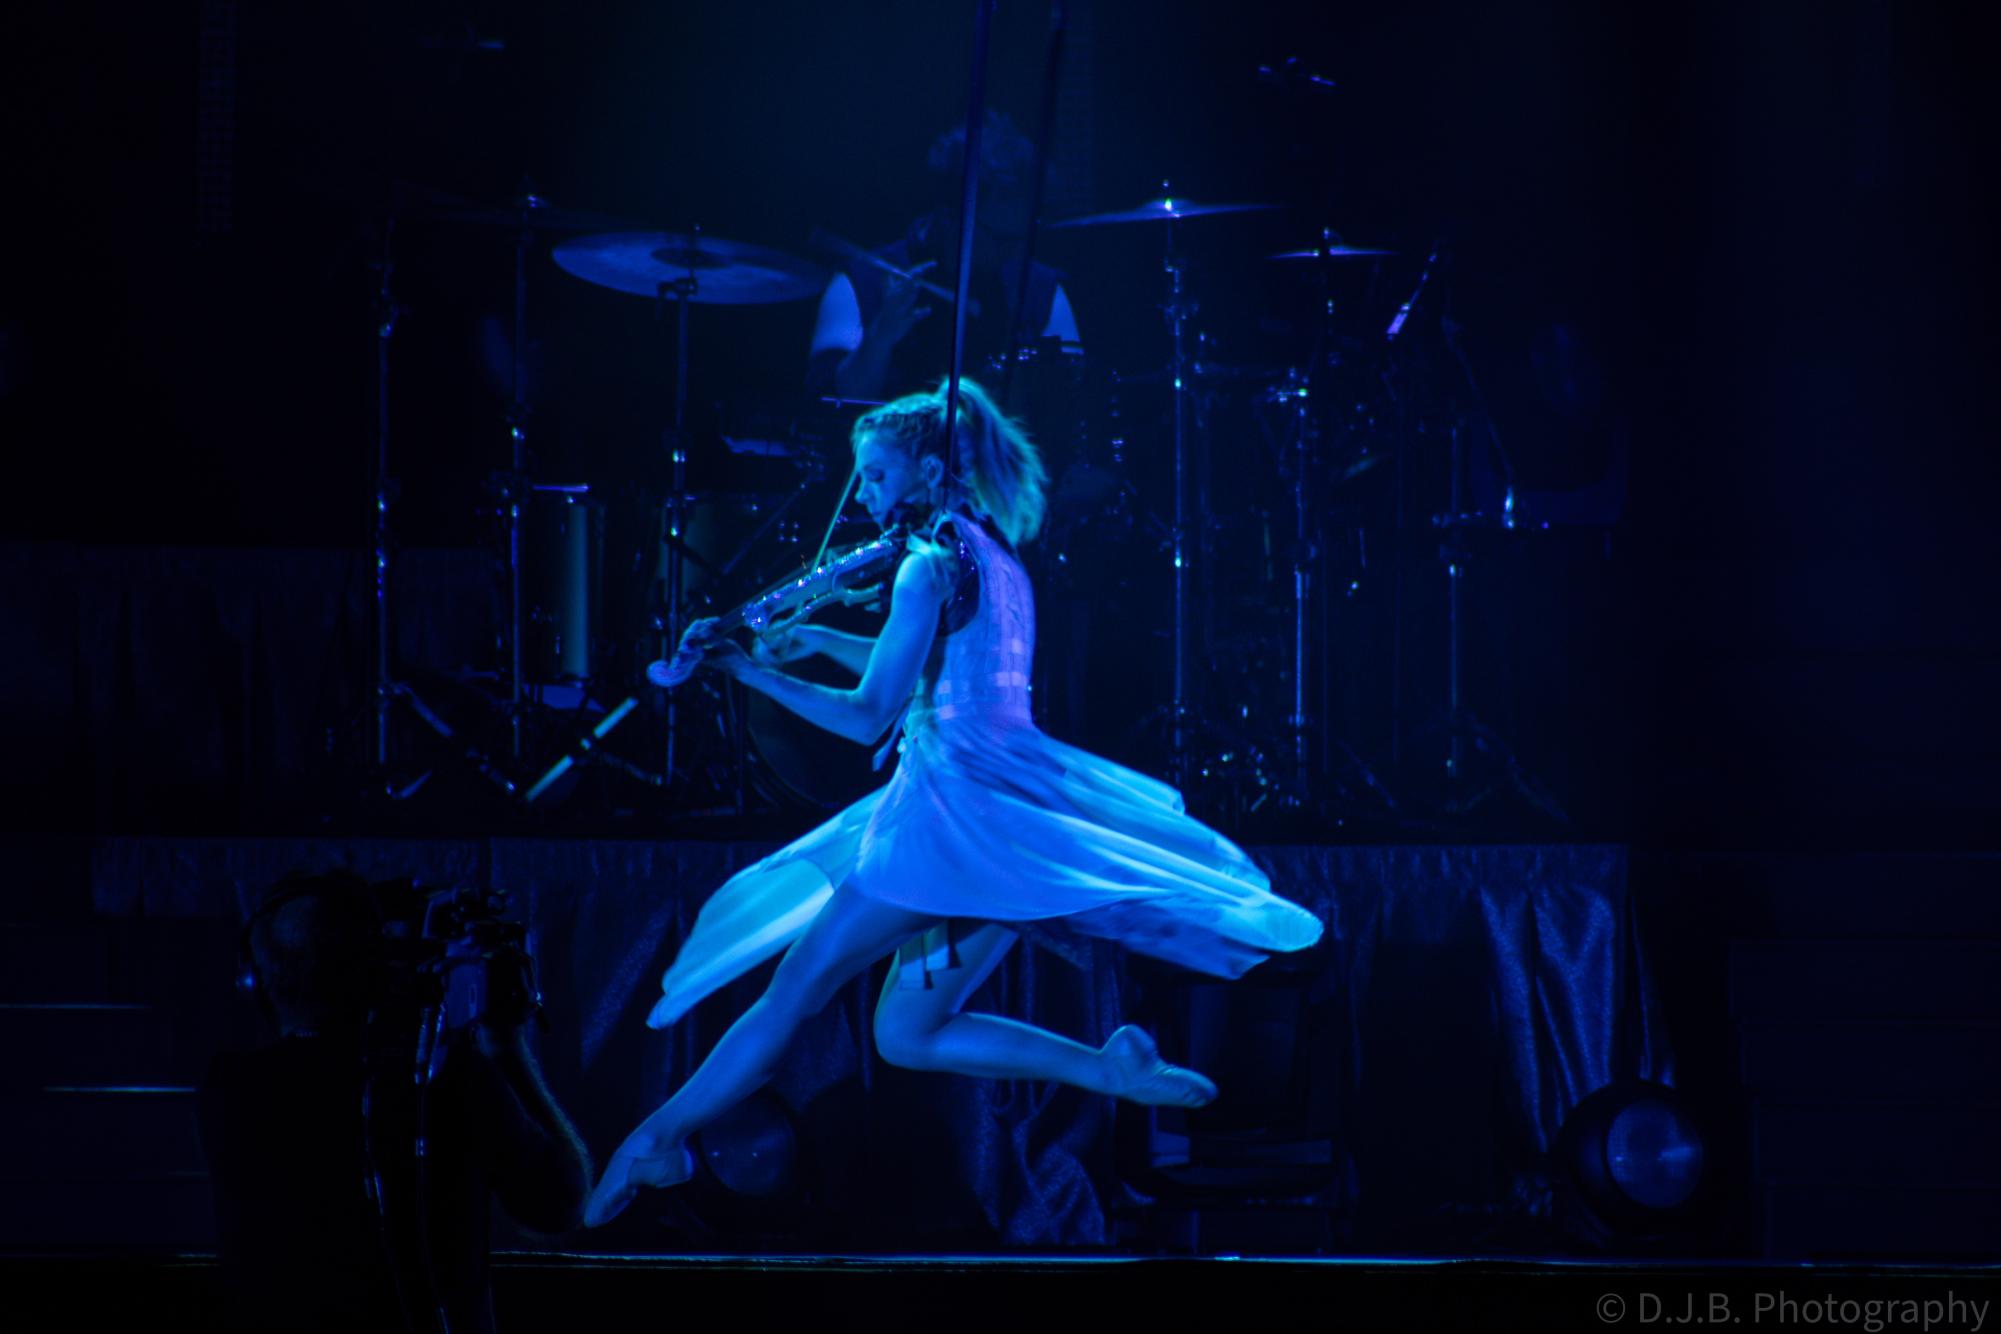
(834, 519)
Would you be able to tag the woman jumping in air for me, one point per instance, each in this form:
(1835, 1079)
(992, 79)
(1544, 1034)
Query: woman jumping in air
(986, 823)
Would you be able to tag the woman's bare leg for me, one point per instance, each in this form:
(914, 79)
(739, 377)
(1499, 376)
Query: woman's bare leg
(926, 1030)
(848, 935)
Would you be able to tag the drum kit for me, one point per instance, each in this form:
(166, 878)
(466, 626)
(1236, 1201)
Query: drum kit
(1155, 515)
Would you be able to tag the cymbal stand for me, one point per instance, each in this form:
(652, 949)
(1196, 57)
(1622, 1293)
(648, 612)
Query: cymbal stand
(384, 688)
(1303, 555)
(1303, 540)
(1177, 309)
(380, 684)
(681, 291)
(1462, 727)
(517, 439)
(1301, 394)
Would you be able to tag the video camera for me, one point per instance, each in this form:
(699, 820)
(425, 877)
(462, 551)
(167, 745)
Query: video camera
(451, 958)
(445, 955)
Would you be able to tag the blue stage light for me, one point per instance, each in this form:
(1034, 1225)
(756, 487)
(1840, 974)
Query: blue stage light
(1633, 1164)
(1654, 1154)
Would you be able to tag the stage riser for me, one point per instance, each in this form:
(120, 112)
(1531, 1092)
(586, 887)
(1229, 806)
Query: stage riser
(1906, 1146)
(1902, 1058)
(153, 1213)
(114, 1136)
(1867, 1052)
(113, 1045)
(1805, 979)
(1831, 1224)
(43, 961)
(1858, 896)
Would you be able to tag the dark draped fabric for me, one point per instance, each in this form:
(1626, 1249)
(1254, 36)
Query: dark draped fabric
(1464, 1000)
(151, 688)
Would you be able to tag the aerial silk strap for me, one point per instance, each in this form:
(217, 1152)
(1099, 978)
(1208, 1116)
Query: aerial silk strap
(969, 200)
(1059, 23)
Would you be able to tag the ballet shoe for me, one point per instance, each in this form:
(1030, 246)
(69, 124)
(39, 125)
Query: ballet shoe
(627, 1173)
(1140, 1075)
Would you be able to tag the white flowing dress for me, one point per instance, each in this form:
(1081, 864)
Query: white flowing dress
(987, 819)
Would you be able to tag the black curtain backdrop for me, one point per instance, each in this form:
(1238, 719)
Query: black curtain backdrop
(1465, 999)
(1759, 227)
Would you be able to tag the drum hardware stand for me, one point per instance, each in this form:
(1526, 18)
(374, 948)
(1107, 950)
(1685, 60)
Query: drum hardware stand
(510, 490)
(1177, 309)
(1299, 724)
(1401, 490)
(1181, 722)
(1461, 726)
(681, 291)
(380, 684)
(384, 689)
(475, 758)
(1306, 552)
(581, 750)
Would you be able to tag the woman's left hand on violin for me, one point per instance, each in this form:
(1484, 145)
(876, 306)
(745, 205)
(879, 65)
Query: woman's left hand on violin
(728, 657)
(698, 650)
(781, 645)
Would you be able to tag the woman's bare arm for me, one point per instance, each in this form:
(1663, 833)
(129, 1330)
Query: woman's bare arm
(895, 659)
(850, 650)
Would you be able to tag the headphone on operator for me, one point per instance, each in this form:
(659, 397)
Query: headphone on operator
(344, 887)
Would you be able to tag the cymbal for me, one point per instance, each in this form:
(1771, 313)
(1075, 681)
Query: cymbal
(724, 273)
(1335, 251)
(1165, 209)
(530, 213)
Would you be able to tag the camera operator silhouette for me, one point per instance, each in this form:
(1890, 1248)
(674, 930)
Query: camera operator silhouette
(326, 1217)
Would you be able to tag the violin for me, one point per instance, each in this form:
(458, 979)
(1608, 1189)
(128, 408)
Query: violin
(848, 577)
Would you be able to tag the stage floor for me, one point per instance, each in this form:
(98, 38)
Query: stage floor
(579, 1290)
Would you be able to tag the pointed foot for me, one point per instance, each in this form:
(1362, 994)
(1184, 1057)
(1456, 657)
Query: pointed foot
(1140, 1075)
(637, 1165)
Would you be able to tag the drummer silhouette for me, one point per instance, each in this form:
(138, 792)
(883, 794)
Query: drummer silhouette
(863, 346)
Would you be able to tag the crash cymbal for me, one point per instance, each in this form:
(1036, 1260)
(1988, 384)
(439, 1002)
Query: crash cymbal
(1334, 251)
(1168, 208)
(723, 273)
(530, 213)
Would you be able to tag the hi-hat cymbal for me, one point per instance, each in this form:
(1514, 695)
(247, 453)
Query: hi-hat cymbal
(719, 272)
(1166, 209)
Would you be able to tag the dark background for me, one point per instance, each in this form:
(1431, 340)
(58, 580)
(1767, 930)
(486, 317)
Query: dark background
(1764, 224)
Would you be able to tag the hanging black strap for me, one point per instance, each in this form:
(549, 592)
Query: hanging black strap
(969, 190)
(1052, 71)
